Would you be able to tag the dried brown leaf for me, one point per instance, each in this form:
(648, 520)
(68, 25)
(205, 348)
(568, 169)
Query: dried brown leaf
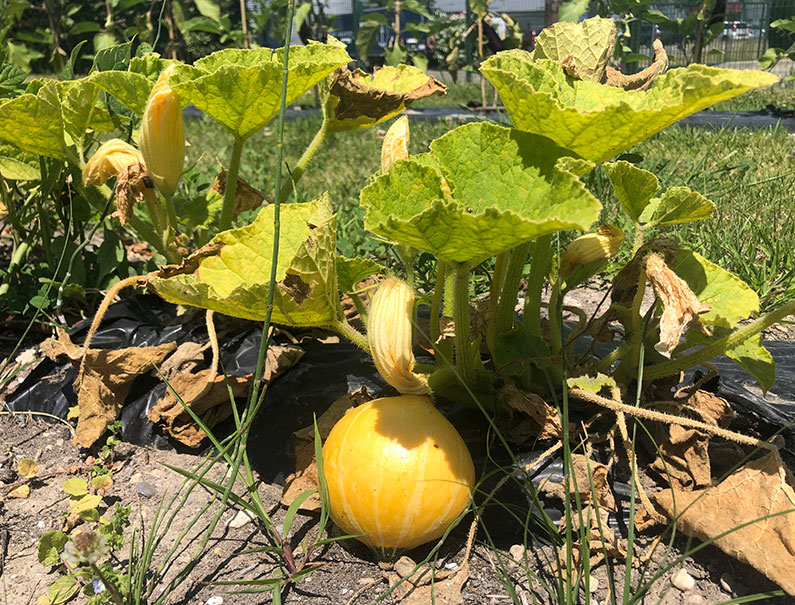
(755, 492)
(586, 472)
(681, 305)
(133, 186)
(105, 380)
(246, 197)
(643, 79)
(543, 415)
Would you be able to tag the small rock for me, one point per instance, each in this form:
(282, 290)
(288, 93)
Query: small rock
(517, 552)
(215, 601)
(404, 566)
(694, 599)
(344, 591)
(147, 490)
(41, 524)
(728, 583)
(364, 581)
(240, 519)
(451, 565)
(683, 580)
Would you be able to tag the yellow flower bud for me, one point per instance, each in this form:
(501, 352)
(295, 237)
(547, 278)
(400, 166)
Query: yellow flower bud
(591, 247)
(109, 160)
(396, 143)
(389, 335)
(162, 135)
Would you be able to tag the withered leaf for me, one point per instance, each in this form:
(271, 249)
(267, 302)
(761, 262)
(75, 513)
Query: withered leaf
(133, 186)
(643, 79)
(105, 381)
(210, 402)
(587, 476)
(296, 287)
(246, 197)
(759, 489)
(543, 415)
(681, 305)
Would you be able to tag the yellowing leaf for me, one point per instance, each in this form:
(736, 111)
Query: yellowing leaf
(84, 503)
(102, 482)
(597, 121)
(230, 275)
(27, 468)
(20, 491)
(75, 486)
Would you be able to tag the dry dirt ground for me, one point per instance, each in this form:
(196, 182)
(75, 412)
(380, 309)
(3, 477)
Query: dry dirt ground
(348, 572)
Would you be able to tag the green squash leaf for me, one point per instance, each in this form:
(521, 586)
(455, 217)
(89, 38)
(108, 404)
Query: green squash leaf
(32, 123)
(584, 47)
(358, 100)
(149, 65)
(18, 165)
(128, 88)
(597, 121)
(230, 275)
(755, 359)
(677, 205)
(730, 298)
(592, 384)
(350, 271)
(241, 88)
(51, 544)
(634, 186)
(506, 187)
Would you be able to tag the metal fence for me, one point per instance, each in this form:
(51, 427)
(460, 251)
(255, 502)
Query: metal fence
(745, 37)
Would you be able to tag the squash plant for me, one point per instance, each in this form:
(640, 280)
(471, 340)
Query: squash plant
(485, 191)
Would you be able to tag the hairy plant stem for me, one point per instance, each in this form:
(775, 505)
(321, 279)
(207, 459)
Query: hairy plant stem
(303, 161)
(436, 302)
(171, 214)
(719, 346)
(539, 269)
(343, 328)
(638, 239)
(464, 353)
(510, 288)
(636, 335)
(18, 258)
(228, 210)
(494, 294)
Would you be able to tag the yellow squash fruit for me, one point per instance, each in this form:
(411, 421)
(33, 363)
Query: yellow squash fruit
(398, 473)
(389, 337)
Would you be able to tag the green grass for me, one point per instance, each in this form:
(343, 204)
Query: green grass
(781, 95)
(748, 174)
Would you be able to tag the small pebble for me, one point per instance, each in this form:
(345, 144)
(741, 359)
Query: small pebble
(41, 524)
(517, 552)
(344, 591)
(683, 580)
(147, 490)
(451, 565)
(728, 583)
(240, 519)
(215, 601)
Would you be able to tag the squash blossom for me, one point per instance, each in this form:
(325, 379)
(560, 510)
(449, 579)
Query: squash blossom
(109, 160)
(162, 135)
(590, 248)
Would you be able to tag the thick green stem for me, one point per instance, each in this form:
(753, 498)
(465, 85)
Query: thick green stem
(638, 240)
(343, 328)
(718, 347)
(171, 214)
(228, 211)
(494, 295)
(18, 258)
(464, 353)
(539, 269)
(303, 162)
(510, 289)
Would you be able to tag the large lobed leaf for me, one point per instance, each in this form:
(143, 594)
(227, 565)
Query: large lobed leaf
(230, 275)
(241, 88)
(598, 121)
(481, 190)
